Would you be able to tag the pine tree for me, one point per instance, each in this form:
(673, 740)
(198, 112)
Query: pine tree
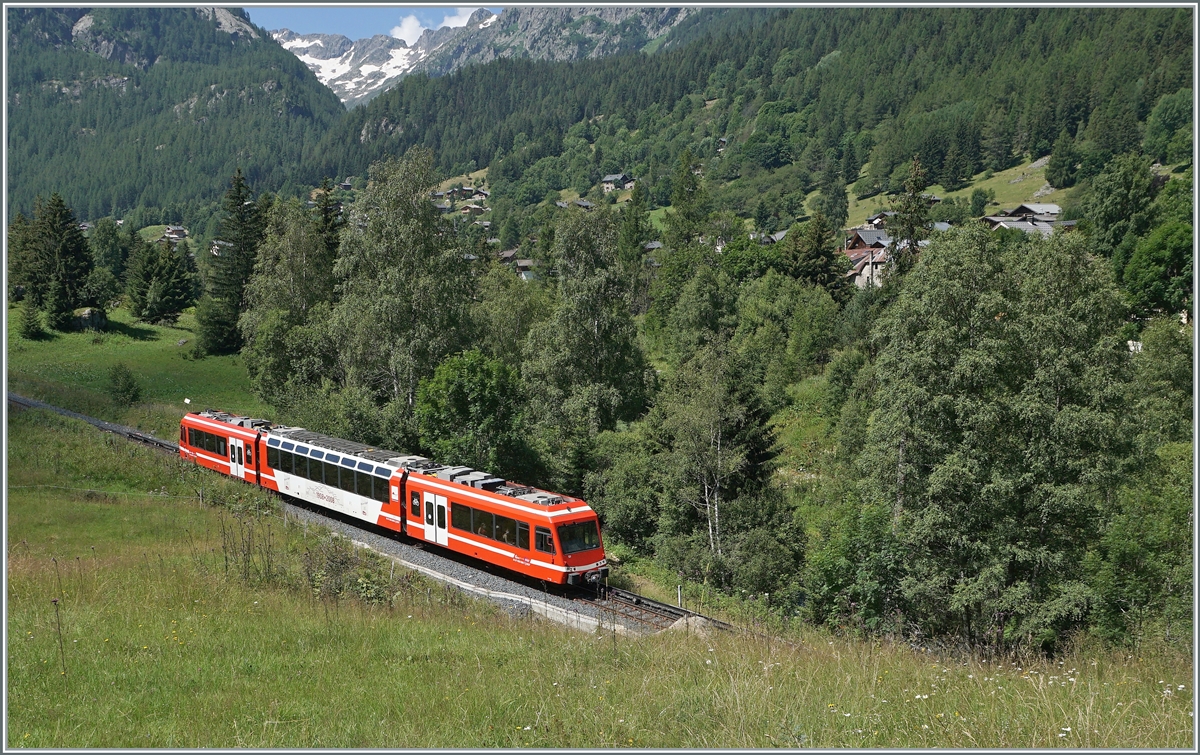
(242, 229)
(1060, 171)
(633, 234)
(955, 168)
(59, 252)
(59, 311)
(911, 219)
(329, 218)
(810, 256)
(690, 203)
(30, 324)
(21, 261)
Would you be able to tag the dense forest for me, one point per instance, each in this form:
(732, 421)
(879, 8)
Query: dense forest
(993, 448)
(161, 122)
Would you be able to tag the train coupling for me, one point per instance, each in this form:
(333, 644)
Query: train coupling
(593, 577)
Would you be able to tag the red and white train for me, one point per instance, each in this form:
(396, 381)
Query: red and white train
(544, 535)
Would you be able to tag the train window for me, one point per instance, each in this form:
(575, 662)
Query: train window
(288, 446)
(317, 454)
(285, 461)
(249, 456)
(272, 457)
(273, 442)
(482, 523)
(381, 489)
(183, 435)
(542, 540)
(523, 535)
(506, 530)
(331, 474)
(301, 449)
(315, 471)
(332, 459)
(346, 480)
(415, 508)
(460, 516)
(441, 517)
(364, 484)
(581, 536)
(221, 446)
(191, 437)
(239, 453)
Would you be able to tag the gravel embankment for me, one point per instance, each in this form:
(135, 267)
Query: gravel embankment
(517, 599)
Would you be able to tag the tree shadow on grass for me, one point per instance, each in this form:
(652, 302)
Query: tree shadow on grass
(136, 332)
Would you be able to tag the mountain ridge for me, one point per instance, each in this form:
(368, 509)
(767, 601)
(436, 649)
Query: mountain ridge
(360, 70)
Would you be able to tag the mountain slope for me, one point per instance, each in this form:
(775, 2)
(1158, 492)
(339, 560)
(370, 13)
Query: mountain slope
(116, 108)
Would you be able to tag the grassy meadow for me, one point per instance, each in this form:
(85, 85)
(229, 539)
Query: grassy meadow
(71, 370)
(183, 623)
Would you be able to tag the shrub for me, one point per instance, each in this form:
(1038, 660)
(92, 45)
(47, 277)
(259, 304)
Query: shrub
(123, 386)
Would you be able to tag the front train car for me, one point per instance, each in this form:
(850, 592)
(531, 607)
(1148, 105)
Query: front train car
(534, 532)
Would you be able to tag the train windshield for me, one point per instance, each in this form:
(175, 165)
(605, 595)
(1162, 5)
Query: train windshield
(581, 536)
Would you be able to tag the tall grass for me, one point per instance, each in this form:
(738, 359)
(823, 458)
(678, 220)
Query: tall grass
(199, 625)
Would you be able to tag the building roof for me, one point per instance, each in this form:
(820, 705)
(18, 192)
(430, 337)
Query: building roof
(872, 236)
(1034, 209)
(614, 177)
(652, 245)
(1028, 227)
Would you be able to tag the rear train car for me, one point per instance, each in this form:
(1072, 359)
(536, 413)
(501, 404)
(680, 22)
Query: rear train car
(535, 532)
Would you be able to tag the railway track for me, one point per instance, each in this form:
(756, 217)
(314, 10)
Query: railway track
(636, 612)
(649, 614)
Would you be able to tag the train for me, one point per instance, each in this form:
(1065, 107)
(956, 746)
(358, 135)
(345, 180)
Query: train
(537, 533)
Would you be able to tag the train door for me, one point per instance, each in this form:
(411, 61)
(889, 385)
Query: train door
(435, 519)
(237, 458)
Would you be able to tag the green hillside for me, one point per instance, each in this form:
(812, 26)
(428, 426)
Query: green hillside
(987, 444)
(153, 108)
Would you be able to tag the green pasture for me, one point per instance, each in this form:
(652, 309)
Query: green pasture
(188, 624)
(71, 370)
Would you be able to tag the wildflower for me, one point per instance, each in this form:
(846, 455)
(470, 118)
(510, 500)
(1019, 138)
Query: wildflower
(708, 662)
(1066, 728)
(924, 726)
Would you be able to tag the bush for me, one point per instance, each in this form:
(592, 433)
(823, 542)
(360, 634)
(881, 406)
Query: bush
(123, 387)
